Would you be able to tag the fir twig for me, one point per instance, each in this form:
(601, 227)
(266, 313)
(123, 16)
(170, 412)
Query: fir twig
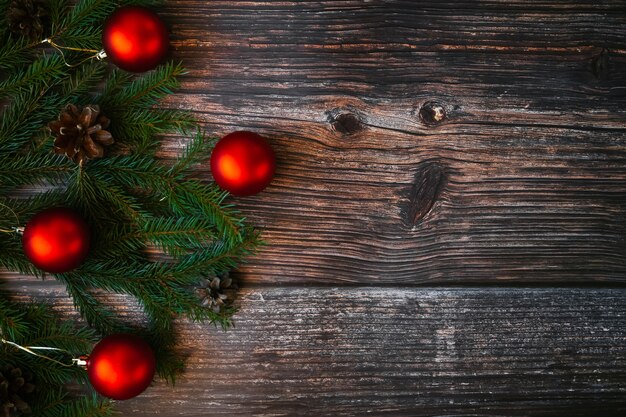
(157, 229)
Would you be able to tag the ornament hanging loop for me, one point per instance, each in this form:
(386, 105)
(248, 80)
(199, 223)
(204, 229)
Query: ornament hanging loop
(99, 54)
(81, 361)
(15, 229)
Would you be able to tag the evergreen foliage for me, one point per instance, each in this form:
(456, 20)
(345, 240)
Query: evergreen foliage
(33, 325)
(157, 230)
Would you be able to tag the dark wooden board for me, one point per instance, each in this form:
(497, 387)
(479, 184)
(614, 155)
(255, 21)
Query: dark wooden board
(418, 143)
(523, 181)
(397, 352)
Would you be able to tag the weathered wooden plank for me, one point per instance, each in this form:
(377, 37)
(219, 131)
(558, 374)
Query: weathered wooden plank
(529, 146)
(418, 142)
(400, 352)
(488, 58)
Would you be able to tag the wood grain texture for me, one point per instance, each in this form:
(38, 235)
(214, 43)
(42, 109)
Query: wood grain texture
(533, 142)
(418, 143)
(398, 352)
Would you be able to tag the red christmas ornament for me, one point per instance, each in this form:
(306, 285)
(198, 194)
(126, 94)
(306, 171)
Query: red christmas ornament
(121, 366)
(243, 163)
(135, 39)
(56, 240)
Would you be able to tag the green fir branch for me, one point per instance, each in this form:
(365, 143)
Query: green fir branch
(35, 325)
(13, 258)
(14, 53)
(83, 37)
(38, 73)
(157, 229)
(113, 84)
(146, 91)
(65, 406)
(92, 309)
(219, 258)
(86, 13)
(33, 169)
(195, 153)
(193, 197)
(18, 124)
(57, 9)
(13, 323)
(82, 82)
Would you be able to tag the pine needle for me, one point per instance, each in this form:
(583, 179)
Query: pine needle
(157, 229)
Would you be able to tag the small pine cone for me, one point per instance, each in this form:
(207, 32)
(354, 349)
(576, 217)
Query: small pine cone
(214, 292)
(15, 387)
(80, 133)
(28, 18)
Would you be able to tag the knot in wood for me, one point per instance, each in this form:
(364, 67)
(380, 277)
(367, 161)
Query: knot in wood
(346, 123)
(600, 65)
(427, 186)
(432, 113)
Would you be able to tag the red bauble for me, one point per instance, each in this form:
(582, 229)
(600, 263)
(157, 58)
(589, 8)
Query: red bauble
(56, 240)
(135, 39)
(121, 366)
(243, 163)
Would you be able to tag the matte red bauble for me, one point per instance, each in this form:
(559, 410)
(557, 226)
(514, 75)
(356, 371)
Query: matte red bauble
(135, 39)
(56, 240)
(243, 163)
(121, 366)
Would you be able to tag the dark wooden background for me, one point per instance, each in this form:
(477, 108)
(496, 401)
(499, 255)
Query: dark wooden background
(446, 231)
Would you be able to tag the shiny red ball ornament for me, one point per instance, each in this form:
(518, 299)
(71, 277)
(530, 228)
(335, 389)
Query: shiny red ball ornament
(135, 39)
(121, 366)
(56, 240)
(243, 163)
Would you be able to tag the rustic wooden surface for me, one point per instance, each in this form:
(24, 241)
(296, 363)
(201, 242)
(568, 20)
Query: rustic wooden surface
(355, 351)
(446, 143)
(418, 142)
(527, 171)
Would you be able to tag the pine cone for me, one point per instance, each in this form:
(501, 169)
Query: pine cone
(15, 386)
(80, 133)
(28, 18)
(213, 292)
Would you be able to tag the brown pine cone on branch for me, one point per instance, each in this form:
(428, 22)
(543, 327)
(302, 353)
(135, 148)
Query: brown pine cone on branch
(15, 386)
(216, 292)
(28, 18)
(80, 133)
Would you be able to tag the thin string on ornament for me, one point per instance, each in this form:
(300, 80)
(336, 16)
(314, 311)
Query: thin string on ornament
(30, 349)
(14, 229)
(100, 55)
